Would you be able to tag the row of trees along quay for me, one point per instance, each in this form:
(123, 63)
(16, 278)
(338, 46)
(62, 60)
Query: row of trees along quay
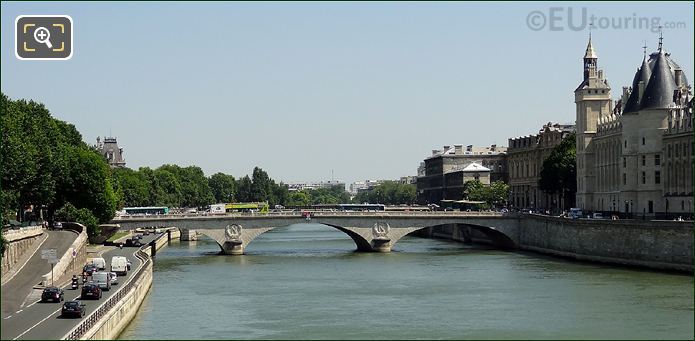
(48, 167)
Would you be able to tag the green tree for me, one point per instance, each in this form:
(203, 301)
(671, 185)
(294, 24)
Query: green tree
(499, 192)
(87, 184)
(299, 198)
(243, 192)
(559, 172)
(223, 187)
(389, 193)
(133, 186)
(83, 216)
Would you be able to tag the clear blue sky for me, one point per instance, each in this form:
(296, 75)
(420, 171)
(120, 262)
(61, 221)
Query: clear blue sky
(300, 89)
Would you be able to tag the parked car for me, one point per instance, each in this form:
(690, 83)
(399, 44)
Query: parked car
(57, 225)
(52, 294)
(128, 264)
(73, 309)
(89, 269)
(90, 290)
(114, 278)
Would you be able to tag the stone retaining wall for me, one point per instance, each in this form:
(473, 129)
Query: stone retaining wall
(18, 243)
(67, 265)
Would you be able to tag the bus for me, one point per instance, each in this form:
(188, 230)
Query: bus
(261, 207)
(146, 210)
(341, 207)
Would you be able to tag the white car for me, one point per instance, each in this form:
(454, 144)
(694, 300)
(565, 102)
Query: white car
(114, 278)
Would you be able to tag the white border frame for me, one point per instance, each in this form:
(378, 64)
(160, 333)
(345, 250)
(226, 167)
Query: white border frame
(72, 33)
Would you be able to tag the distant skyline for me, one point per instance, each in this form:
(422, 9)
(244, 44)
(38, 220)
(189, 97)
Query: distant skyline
(315, 91)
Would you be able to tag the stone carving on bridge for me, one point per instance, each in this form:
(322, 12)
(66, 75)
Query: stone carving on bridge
(381, 230)
(232, 233)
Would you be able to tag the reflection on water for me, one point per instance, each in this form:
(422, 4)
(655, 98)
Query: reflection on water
(306, 282)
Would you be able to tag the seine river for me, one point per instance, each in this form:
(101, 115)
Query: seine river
(305, 282)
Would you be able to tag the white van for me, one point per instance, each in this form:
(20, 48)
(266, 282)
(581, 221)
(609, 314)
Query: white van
(102, 279)
(119, 265)
(100, 263)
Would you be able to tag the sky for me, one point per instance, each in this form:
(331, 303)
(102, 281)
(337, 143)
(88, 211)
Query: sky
(319, 91)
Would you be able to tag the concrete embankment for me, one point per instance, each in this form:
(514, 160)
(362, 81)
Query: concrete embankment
(18, 243)
(660, 245)
(114, 315)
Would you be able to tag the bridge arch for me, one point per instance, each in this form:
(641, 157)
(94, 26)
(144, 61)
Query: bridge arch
(364, 238)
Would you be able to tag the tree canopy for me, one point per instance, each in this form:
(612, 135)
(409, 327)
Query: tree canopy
(46, 164)
(559, 172)
(388, 193)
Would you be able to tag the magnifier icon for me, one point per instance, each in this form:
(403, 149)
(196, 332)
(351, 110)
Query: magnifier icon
(42, 36)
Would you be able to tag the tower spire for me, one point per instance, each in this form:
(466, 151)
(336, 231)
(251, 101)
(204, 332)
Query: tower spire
(661, 37)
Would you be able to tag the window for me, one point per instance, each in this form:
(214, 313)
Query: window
(644, 160)
(669, 150)
(625, 143)
(643, 140)
(682, 205)
(651, 206)
(657, 177)
(624, 179)
(678, 150)
(644, 177)
(657, 160)
(624, 162)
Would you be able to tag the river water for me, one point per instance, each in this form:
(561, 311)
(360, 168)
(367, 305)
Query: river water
(305, 282)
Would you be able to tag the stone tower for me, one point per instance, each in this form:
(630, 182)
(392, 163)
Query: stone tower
(593, 102)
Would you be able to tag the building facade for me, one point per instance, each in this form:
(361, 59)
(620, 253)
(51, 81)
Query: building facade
(110, 150)
(627, 160)
(437, 184)
(525, 156)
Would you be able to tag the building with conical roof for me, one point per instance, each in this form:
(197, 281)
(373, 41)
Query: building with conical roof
(635, 157)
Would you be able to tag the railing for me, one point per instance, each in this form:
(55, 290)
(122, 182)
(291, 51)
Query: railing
(91, 320)
(317, 213)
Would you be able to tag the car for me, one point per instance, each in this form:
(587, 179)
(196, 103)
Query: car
(90, 290)
(146, 233)
(131, 242)
(57, 225)
(73, 309)
(128, 264)
(52, 294)
(114, 278)
(89, 269)
(102, 279)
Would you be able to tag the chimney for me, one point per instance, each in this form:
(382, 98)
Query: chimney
(493, 147)
(679, 78)
(434, 152)
(458, 149)
(446, 148)
(469, 148)
(626, 94)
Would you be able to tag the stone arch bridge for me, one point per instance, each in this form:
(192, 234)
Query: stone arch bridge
(371, 232)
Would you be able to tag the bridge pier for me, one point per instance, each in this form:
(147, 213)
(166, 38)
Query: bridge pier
(382, 245)
(232, 248)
